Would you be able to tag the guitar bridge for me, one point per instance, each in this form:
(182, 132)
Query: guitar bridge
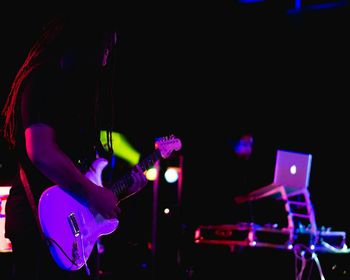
(74, 224)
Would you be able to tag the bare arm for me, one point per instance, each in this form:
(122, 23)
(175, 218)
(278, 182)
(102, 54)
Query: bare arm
(56, 165)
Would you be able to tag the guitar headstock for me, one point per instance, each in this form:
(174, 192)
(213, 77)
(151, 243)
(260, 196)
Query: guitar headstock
(167, 144)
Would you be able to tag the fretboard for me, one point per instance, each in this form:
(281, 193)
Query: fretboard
(121, 186)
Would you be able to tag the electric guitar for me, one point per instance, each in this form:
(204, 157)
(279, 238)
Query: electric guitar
(70, 227)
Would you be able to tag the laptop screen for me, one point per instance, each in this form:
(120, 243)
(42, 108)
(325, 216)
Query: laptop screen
(292, 169)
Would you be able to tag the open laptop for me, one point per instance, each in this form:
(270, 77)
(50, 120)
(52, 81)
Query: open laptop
(292, 170)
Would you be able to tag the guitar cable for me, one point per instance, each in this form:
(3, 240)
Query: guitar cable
(84, 258)
(50, 241)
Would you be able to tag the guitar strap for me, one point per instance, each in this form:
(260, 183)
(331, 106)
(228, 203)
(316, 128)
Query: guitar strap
(31, 200)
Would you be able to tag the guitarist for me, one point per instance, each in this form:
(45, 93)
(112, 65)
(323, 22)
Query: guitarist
(52, 122)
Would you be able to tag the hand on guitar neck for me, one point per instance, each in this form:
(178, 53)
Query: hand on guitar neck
(139, 181)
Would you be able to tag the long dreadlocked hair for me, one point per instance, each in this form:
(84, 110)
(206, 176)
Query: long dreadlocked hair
(32, 61)
(35, 57)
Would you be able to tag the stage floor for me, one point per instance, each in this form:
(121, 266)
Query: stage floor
(216, 262)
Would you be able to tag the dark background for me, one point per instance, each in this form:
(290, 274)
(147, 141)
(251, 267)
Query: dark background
(207, 71)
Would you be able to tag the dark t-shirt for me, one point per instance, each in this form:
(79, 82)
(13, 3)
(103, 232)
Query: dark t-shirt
(65, 102)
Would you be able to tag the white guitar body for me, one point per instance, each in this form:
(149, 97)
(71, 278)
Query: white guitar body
(71, 227)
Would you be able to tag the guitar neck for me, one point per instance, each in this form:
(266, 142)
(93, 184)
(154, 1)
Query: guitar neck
(121, 186)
